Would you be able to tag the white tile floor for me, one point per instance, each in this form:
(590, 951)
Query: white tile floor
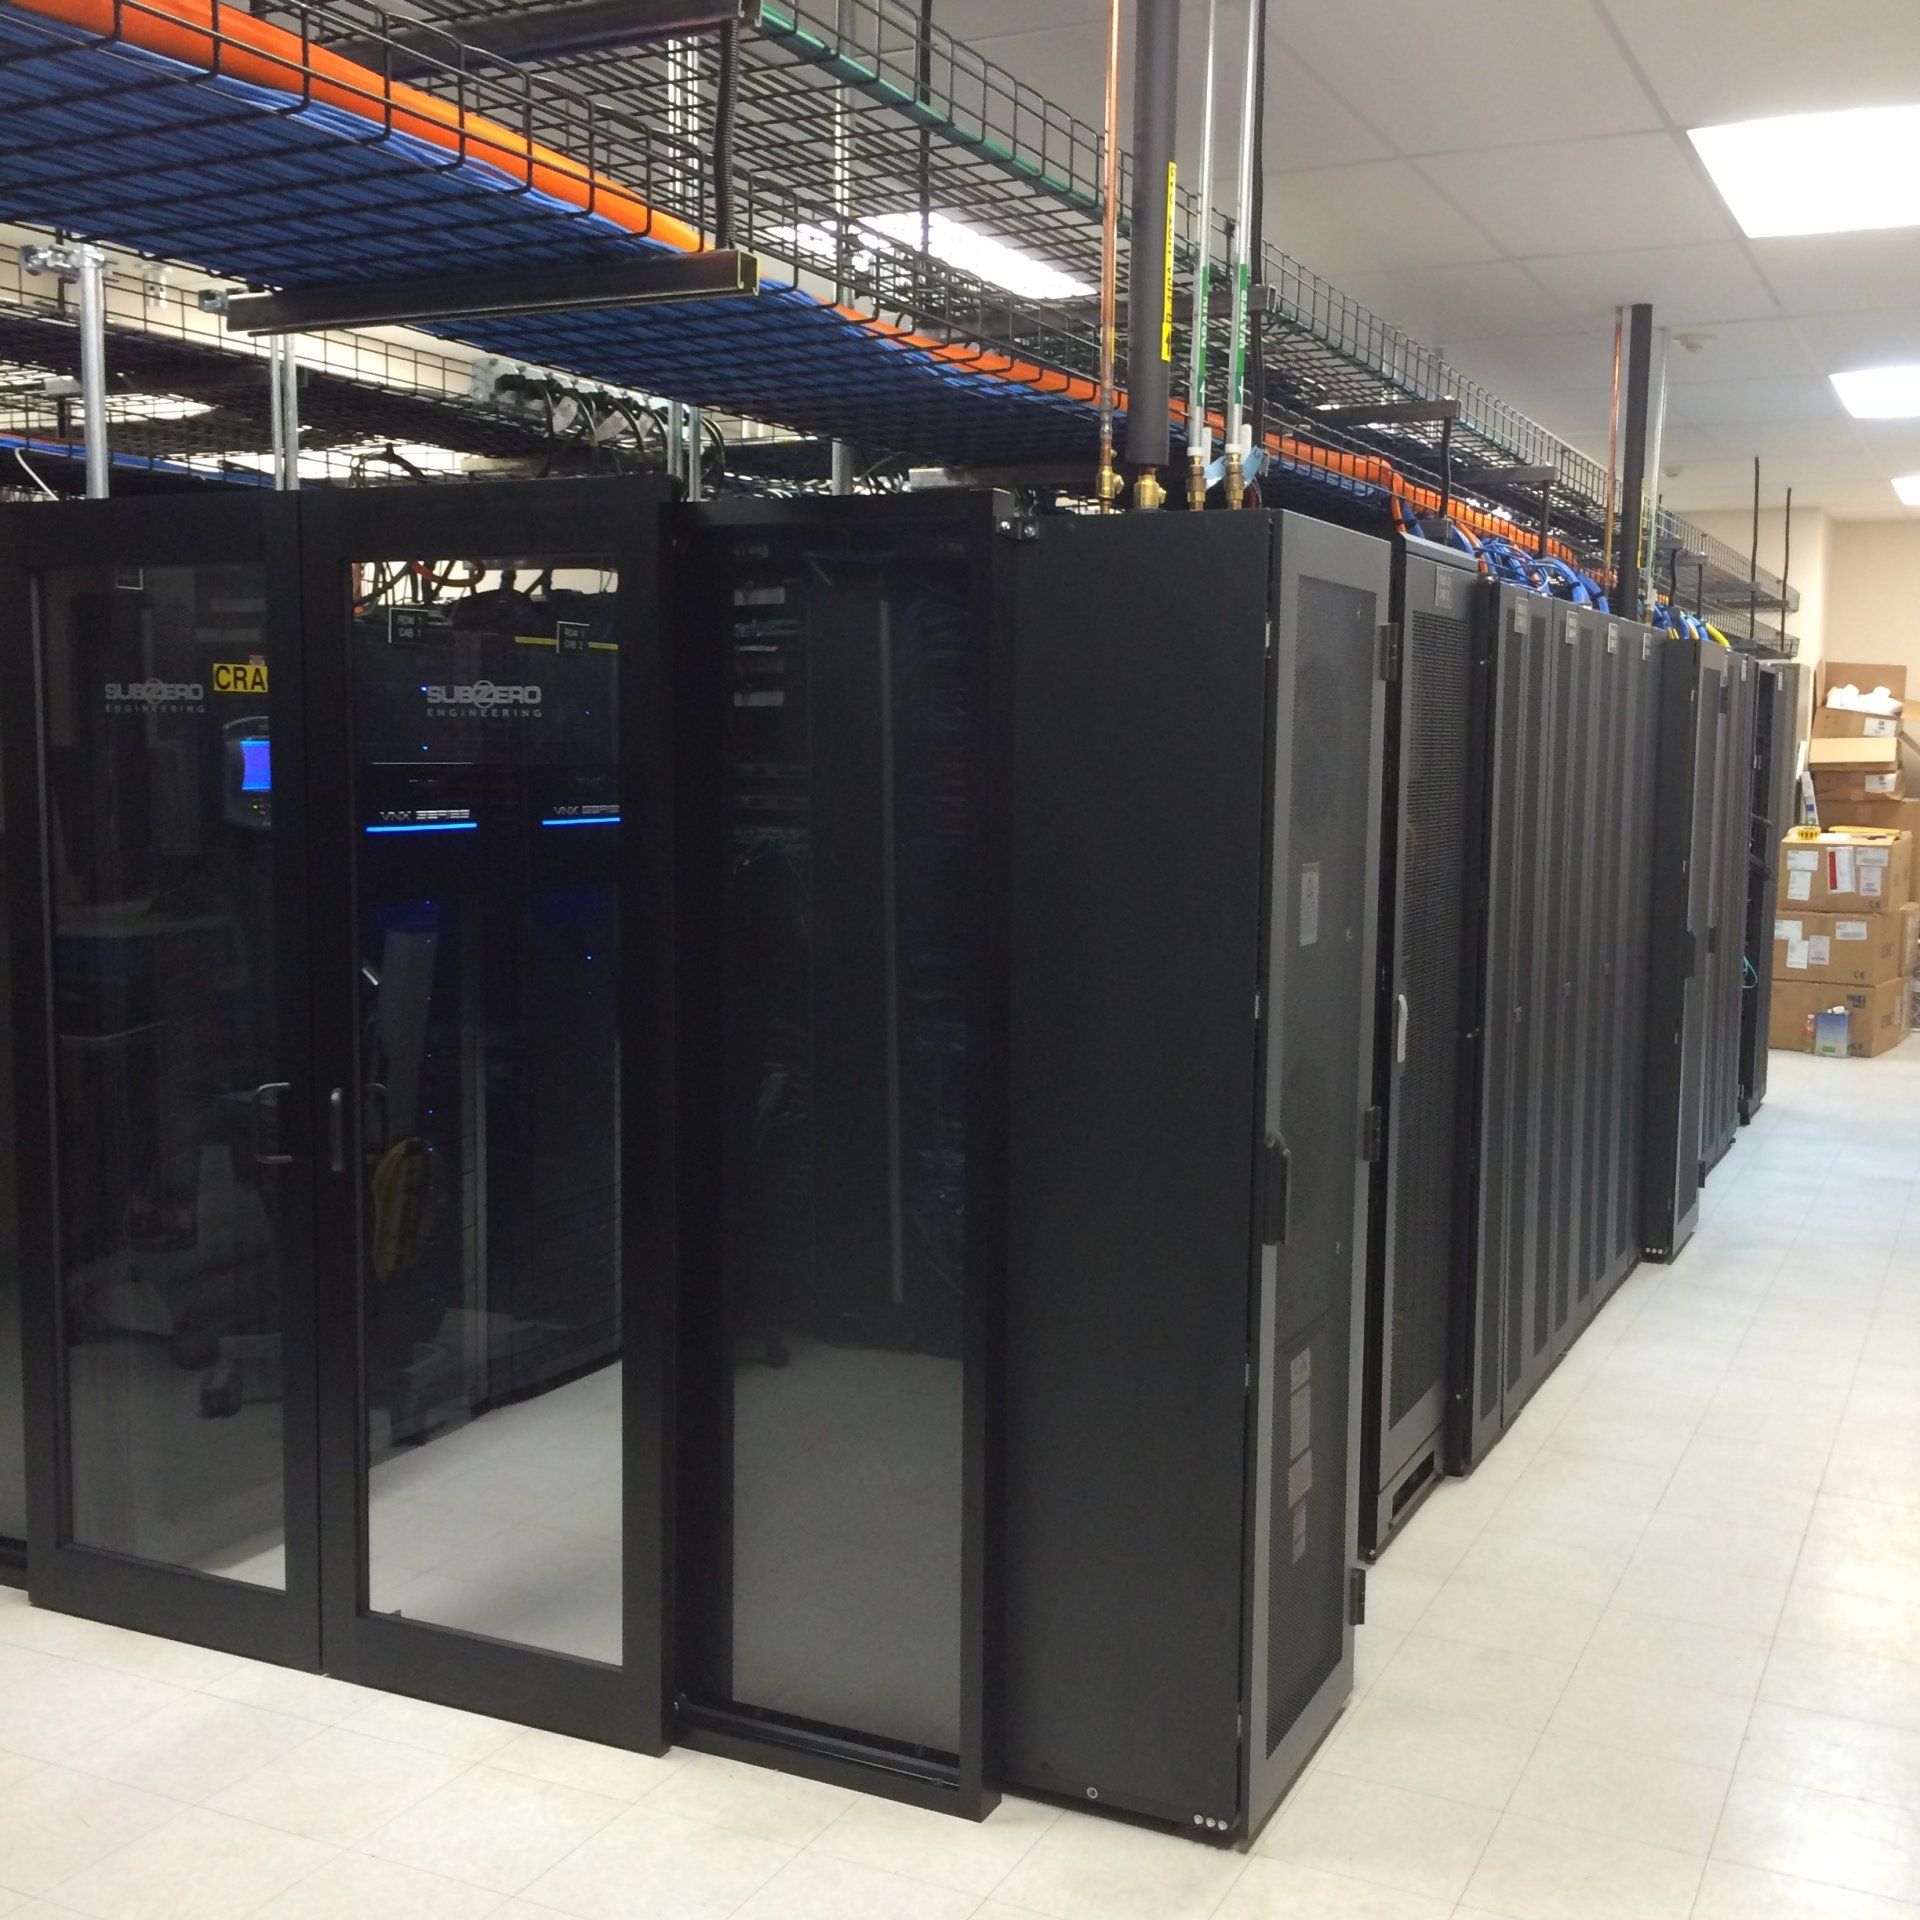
(1660, 1657)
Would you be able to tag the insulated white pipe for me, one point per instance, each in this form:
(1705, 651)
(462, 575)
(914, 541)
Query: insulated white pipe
(1199, 433)
(90, 272)
(1239, 440)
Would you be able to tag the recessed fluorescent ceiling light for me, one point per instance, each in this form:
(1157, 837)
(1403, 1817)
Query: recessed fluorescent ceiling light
(1844, 172)
(1880, 393)
(1908, 488)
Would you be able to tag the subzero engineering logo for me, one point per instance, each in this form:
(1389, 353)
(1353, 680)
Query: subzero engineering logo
(155, 696)
(484, 700)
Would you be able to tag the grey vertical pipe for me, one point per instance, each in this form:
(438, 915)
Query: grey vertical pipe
(90, 267)
(676, 440)
(696, 467)
(1633, 465)
(288, 402)
(1156, 81)
(276, 414)
(1656, 455)
(842, 467)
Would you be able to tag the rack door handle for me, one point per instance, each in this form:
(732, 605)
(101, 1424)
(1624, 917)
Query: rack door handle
(266, 1101)
(337, 1130)
(1400, 1011)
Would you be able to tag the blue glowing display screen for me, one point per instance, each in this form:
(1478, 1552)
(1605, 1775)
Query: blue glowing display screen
(256, 766)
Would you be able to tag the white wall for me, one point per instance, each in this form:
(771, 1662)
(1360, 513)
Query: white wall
(1874, 600)
(1814, 573)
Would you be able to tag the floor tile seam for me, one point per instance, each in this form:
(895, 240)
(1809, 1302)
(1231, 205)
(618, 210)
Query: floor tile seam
(1746, 1725)
(551, 1866)
(107, 1666)
(182, 1809)
(847, 1813)
(77, 1762)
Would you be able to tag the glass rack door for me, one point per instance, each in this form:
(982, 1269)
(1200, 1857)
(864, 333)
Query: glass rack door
(477, 961)
(160, 906)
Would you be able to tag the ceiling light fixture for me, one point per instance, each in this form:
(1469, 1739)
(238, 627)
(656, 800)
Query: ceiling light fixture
(1908, 488)
(1854, 171)
(950, 240)
(1880, 393)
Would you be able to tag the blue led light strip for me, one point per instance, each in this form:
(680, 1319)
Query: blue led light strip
(584, 820)
(431, 826)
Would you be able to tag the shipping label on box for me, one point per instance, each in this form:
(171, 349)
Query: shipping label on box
(1847, 868)
(1849, 950)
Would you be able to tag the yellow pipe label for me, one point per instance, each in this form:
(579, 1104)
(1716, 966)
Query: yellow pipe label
(1166, 311)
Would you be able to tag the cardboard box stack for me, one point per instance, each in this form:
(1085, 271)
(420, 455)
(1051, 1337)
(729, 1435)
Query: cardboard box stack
(1846, 941)
(1860, 752)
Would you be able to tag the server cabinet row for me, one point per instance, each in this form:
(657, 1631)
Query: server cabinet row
(1562, 997)
(890, 982)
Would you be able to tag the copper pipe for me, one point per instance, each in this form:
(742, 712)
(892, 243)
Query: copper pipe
(1613, 449)
(1108, 485)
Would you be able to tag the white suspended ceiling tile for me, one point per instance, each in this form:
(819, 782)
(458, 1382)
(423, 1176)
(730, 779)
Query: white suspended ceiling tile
(1458, 302)
(1738, 350)
(1717, 60)
(1065, 60)
(1760, 402)
(1845, 342)
(1558, 362)
(1430, 81)
(1686, 286)
(1347, 220)
(1842, 272)
(1581, 196)
(976, 20)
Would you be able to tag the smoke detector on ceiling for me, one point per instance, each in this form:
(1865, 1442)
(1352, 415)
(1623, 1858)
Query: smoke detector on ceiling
(1695, 339)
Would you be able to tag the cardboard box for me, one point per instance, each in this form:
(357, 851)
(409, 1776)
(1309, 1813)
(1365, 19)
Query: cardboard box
(1901, 816)
(1878, 1017)
(1854, 753)
(1836, 723)
(1835, 793)
(1845, 950)
(1864, 674)
(1861, 870)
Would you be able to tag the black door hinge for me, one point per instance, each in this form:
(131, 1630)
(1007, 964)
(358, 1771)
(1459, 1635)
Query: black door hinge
(1387, 651)
(1357, 1597)
(1373, 1136)
(1277, 1180)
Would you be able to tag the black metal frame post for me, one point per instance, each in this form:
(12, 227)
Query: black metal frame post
(1156, 79)
(1633, 468)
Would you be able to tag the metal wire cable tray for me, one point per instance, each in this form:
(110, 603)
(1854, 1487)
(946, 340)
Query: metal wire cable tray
(286, 222)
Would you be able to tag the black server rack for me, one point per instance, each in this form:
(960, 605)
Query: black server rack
(13, 1443)
(1683, 989)
(1555, 1170)
(1198, 722)
(1426, 1027)
(1775, 763)
(842, 734)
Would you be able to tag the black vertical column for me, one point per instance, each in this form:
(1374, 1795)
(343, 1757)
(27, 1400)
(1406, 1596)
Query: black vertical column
(1633, 472)
(1156, 77)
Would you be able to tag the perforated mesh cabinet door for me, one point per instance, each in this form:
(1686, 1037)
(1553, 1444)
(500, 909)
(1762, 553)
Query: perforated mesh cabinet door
(1318, 1073)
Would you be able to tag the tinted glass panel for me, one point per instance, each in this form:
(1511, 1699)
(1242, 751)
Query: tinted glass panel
(848, 983)
(168, 1063)
(13, 1460)
(488, 826)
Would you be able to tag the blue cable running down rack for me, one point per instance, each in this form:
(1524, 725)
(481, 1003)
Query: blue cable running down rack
(278, 184)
